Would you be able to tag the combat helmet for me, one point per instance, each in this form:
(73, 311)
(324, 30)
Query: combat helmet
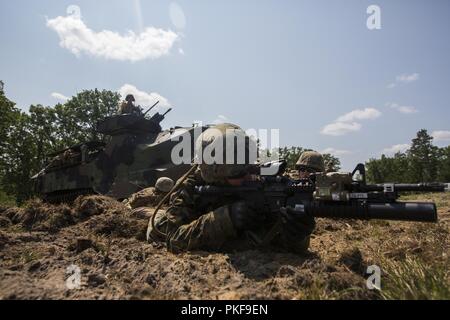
(311, 160)
(164, 184)
(216, 161)
(130, 98)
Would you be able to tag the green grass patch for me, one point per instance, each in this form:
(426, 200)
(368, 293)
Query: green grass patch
(29, 255)
(7, 200)
(414, 279)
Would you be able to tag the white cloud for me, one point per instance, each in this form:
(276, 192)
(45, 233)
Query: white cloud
(358, 114)
(220, 119)
(75, 36)
(347, 123)
(407, 109)
(405, 79)
(59, 96)
(391, 85)
(181, 51)
(403, 109)
(336, 152)
(396, 148)
(441, 135)
(143, 98)
(340, 128)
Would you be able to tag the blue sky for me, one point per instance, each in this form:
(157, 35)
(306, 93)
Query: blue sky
(309, 68)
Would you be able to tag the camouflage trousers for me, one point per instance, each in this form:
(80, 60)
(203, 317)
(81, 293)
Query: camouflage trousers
(214, 231)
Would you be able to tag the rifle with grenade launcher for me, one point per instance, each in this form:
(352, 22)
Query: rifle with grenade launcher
(336, 195)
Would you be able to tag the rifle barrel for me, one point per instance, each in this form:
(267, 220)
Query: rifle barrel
(405, 187)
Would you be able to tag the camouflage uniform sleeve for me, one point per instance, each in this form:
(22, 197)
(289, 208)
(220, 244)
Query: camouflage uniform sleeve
(188, 228)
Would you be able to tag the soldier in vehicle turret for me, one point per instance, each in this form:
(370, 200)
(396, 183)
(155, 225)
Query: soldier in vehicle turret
(128, 107)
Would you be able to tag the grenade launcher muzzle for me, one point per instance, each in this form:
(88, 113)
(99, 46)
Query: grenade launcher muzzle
(402, 211)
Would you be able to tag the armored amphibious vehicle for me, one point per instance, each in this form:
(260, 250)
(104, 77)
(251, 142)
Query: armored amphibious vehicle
(137, 153)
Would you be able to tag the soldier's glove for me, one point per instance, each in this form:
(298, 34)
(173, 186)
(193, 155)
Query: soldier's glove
(243, 216)
(296, 224)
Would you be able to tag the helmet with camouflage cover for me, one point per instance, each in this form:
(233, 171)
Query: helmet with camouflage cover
(312, 160)
(130, 98)
(164, 184)
(216, 161)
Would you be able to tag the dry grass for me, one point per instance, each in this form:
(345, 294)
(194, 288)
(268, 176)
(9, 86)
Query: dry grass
(414, 279)
(413, 257)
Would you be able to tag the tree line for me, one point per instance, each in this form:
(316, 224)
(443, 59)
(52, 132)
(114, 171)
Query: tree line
(422, 162)
(27, 138)
(292, 154)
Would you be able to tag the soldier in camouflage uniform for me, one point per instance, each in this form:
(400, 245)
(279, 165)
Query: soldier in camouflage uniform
(150, 197)
(308, 163)
(224, 222)
(127, 106)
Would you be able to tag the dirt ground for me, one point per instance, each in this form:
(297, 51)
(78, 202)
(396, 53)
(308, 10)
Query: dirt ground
(41, 246)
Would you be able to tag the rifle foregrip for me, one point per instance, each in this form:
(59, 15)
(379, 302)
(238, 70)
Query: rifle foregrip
(402, 211)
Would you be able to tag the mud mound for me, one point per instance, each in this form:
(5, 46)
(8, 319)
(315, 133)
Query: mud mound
(118, 225)
(3, 240)
(88, 206)
(12, 214)
(38, 216)
(4, 222)
(3, 209)
(106, 216)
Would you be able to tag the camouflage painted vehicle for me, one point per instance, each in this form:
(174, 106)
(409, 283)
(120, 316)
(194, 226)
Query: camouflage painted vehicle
(136, 155)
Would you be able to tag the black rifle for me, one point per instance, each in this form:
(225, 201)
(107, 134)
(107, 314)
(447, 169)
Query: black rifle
(335, 195)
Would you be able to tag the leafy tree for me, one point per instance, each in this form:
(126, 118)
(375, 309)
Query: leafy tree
(444, 164)
(20, 162)
(9, 118)
(292, 154)
(41, 124)
(423, 162)
(76, 120)
(400, 168)
(374, 173)
(332, 163)
(387, 169)
(423, 157)
(6, 199)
